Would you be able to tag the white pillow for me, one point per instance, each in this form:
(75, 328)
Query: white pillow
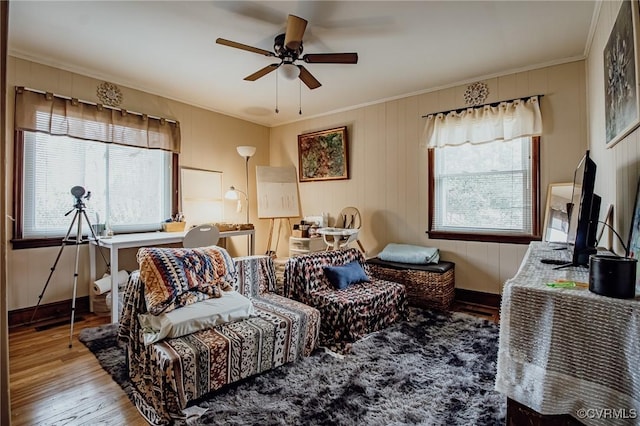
(232, 306)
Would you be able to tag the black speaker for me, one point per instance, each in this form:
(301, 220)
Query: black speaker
(594, 214)
(613, 276)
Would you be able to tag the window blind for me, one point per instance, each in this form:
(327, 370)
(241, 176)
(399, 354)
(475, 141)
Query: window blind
(484, 188)
(130, 187)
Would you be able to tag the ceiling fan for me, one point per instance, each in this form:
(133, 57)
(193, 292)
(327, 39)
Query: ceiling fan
(288, 48)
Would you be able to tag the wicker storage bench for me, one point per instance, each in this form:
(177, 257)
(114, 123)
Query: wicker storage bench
(428, 286)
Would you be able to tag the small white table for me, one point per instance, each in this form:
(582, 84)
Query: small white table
(144, 239)
(337, 234)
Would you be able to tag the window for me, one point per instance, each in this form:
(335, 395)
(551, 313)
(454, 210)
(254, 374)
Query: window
(130, 187)
(484, 172)
(485, 192)
(128, 162)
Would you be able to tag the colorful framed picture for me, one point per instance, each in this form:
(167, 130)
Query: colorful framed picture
(621, 78)
(323, 155)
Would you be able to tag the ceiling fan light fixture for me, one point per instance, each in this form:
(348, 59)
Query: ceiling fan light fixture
(290, 71)
(288, 48)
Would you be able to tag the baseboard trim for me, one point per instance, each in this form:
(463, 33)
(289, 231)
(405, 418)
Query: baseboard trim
(62, 309)
(47, 312)
(478, 297)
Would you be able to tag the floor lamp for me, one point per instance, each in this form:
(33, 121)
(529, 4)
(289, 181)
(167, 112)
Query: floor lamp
(246, 152)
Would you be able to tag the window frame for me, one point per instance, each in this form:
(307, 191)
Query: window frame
(490, 237)
(18, 242)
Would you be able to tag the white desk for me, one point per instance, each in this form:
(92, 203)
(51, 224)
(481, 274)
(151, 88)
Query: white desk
(145, 239)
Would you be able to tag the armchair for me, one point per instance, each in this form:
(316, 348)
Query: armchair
(348, 314)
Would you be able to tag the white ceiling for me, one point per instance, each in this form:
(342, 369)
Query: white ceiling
(168, 47)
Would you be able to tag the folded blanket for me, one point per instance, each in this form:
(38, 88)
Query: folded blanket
(407, 253)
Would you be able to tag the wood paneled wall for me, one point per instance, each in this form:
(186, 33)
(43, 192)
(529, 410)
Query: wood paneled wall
(618, 166)
(388, 166)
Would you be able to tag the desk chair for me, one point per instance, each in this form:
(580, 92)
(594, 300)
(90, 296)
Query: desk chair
(201, 236)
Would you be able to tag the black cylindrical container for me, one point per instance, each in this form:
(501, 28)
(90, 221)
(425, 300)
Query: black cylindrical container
(613, 276)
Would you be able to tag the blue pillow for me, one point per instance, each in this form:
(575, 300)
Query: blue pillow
(343, 276)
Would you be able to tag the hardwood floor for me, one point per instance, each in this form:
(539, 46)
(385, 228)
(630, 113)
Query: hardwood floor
(52, 384)
(488, 312)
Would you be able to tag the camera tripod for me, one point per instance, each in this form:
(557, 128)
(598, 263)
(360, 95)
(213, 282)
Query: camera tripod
(80, 212)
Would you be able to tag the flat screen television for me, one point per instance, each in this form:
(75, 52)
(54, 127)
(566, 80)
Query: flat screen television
(584, 214)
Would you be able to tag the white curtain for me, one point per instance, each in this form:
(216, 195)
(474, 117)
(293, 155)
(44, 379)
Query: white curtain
(506, 121)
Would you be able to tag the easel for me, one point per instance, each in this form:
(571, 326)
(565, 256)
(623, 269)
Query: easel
(277, 196)
(269, 252)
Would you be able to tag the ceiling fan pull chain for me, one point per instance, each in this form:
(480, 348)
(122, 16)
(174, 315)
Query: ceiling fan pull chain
(277, 110)
(300, 97)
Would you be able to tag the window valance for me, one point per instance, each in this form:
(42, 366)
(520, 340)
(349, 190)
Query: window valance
(504, 121)
(60, 116)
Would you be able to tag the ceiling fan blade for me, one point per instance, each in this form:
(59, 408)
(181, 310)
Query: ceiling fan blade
(244, 47)
(331, 58)
(261, 73)
(308, 79)
(295, 31)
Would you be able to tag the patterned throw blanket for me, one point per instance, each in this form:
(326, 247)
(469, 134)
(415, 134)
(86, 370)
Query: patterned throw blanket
(166, 375)
(176, 277)
(349, 314)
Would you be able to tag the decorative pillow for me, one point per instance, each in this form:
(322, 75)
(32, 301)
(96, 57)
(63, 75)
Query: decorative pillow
(343, 276)
(176, 277)
(232, 306)
(407, 253)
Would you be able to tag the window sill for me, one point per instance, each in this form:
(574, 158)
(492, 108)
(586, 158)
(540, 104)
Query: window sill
(29, 243)
(487, 238)
(19, 244)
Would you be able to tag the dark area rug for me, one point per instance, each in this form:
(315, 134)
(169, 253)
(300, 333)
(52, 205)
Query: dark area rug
(434, 369)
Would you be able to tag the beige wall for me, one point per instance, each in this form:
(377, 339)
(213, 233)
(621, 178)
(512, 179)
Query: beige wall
(209, 141)
(619, 165)
(388, 168)
(387, 165)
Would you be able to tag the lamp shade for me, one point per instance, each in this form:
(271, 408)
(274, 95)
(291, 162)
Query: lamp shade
(231, 194)
(290, 71)
(246, 151)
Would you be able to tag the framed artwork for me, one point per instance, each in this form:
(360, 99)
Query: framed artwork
(622, 100)
(633, 245)
(323, 155)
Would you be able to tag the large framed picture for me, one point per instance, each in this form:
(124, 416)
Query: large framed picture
(621, 82)
(323, 155)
